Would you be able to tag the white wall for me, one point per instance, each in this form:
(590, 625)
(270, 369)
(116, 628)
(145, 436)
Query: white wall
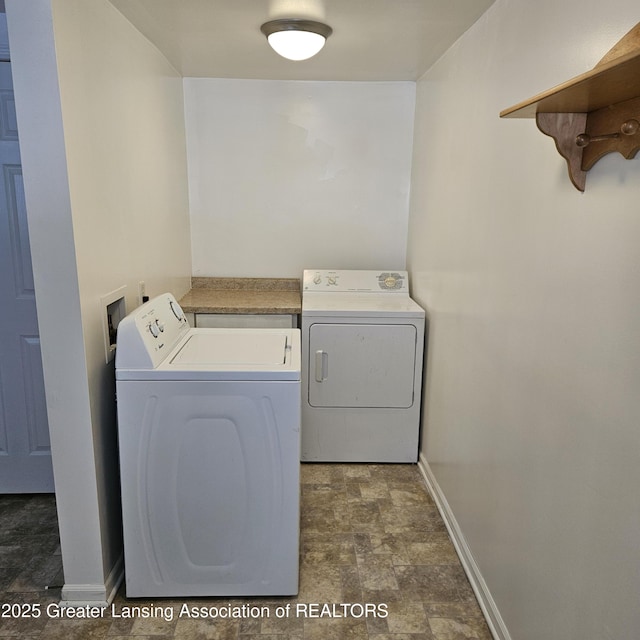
(104, 159)
(291, 175)
(532, 404)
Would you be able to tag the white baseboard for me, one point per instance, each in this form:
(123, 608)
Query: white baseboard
(115, 578)
(485, 600)
(96, 595)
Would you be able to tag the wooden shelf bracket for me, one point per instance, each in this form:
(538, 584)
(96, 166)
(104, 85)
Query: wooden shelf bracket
(564, 129)
(594, 114)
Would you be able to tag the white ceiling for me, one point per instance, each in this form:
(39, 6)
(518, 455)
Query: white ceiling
(372, 39)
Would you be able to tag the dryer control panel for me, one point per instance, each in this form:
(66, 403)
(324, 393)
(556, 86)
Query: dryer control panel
(355, 281)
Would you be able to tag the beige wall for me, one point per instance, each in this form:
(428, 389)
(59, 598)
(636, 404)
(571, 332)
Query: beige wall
(101, 125)
(531, 409)
(286, 176)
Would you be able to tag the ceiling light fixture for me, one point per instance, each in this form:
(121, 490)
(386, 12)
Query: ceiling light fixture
(296, 39)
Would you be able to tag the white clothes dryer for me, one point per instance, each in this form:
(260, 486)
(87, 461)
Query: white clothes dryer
(209, 437)
(362, 354)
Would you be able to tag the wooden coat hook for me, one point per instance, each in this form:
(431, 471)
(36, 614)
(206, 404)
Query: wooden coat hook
(594, 114)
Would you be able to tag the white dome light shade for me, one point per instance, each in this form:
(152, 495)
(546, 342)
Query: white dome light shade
(296, 45)
(296, 39)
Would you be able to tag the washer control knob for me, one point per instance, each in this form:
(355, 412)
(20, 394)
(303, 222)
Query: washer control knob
(177, 310)
(154, 329)
(160, 325)
(317, 279)
(332, 280)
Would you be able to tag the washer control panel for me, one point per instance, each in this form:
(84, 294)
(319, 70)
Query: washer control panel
(149, 332)
(355, 281)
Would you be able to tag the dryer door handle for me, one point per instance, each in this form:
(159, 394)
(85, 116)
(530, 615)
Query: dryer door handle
(322, 365)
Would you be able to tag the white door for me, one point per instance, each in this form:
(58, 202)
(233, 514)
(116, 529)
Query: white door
(361, 365)
(25, 454)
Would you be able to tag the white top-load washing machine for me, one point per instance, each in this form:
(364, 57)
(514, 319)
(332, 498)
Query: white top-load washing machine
(362, 354)
(209, 437)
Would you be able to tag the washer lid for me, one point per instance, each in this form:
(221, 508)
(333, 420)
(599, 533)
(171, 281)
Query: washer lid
(227, 354)
(216, 349)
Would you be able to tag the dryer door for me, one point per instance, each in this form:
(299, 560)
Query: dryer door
(361, 365)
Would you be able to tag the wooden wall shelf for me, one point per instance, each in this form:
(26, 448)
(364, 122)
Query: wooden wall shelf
(593, 114)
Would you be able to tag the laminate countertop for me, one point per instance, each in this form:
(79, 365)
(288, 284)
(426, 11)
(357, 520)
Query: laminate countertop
(243, 295)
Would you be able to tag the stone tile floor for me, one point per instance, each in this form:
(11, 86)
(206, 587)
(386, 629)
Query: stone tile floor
(372, 547)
